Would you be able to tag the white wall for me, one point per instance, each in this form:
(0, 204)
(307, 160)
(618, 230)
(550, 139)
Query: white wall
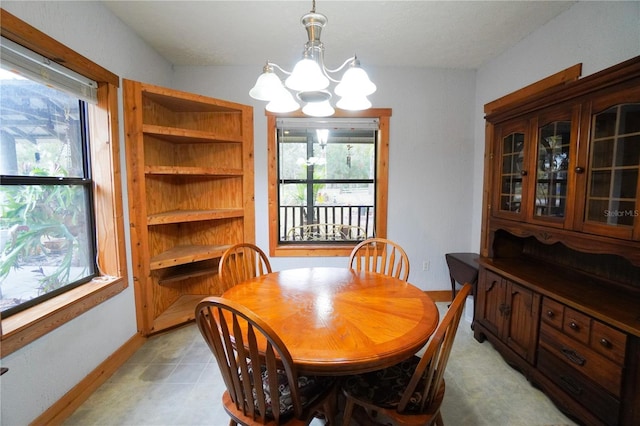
(430, 164)
(437, 128)
(436, 166)
(596, 34)
(42, 372)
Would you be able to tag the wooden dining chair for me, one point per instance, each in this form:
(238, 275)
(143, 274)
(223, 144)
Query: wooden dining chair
(241, 262)
(263, 384)
(380, 255)
(411, 392)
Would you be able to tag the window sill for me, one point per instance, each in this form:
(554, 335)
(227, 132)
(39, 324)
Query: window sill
(312, 250)
(24, 327)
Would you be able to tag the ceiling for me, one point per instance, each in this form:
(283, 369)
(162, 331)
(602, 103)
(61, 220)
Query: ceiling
(449, 34)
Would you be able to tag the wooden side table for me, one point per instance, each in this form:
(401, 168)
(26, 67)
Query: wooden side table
(463, 268)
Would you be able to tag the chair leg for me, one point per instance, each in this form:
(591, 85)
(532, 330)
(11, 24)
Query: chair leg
(233, 422)
(348, 412)
(330, 411)
(438, 419)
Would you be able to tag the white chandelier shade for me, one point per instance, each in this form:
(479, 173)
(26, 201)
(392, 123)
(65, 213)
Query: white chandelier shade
(310, 80)
(282, 102)
(355, 82)
(318, 109)
(267, 87)
(307, 77)
(354, 103)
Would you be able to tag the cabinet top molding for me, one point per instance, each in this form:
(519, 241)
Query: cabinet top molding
(557, 88)
(569, 74)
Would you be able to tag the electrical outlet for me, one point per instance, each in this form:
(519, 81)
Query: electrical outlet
(425, 265)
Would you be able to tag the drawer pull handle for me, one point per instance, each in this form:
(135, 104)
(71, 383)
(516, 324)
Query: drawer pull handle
(604, 342)
(574, 326)
(573, 356)
(550, 313)
(571, 385)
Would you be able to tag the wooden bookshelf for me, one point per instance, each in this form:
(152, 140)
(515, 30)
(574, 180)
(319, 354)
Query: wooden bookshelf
(190, 180)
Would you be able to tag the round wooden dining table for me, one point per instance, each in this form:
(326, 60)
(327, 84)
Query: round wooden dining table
(337, 321)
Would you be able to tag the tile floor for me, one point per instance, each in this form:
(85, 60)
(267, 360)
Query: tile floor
(173, 380)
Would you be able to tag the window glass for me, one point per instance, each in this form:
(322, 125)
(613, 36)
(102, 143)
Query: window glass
(46, 222)
(326, 181)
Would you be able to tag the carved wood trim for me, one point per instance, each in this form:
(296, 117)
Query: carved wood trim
(587, 243)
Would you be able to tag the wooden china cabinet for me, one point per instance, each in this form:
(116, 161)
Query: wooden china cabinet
(559, 282)
(191, 195)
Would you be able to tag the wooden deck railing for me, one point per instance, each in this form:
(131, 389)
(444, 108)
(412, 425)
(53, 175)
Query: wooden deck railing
(326, 223)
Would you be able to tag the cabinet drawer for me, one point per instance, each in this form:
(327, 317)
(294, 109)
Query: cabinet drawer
(582, 358)
(588, 394)
(600, 337)
(608, 342)
(552, 312)
(577, 325)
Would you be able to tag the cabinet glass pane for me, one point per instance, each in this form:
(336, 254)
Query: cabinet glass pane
(614, 166)
(511, 177)
(551, 169)
(614, 212)
(630, 118)
(628, 151)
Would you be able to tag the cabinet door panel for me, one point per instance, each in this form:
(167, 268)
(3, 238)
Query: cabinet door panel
(551, 173)
(552, 191)
(522, 318)
(512, 168)
(611, 186)
(490, 301)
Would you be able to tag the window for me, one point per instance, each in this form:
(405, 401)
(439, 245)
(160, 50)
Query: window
(61, 193)
(330, 182)
(326, 180)
(46, 192)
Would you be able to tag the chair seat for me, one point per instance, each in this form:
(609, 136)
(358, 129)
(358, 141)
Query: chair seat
(385, 387)
(311, 388)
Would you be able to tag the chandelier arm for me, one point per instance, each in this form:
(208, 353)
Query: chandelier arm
(326, 70)
(344, 64)
(274, 65)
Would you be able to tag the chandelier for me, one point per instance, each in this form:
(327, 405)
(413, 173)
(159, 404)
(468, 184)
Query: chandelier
(310, 79)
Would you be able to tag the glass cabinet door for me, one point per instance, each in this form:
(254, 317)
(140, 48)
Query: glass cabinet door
(614, 167)
(511, 165)
(552, 163)
(512, 169)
